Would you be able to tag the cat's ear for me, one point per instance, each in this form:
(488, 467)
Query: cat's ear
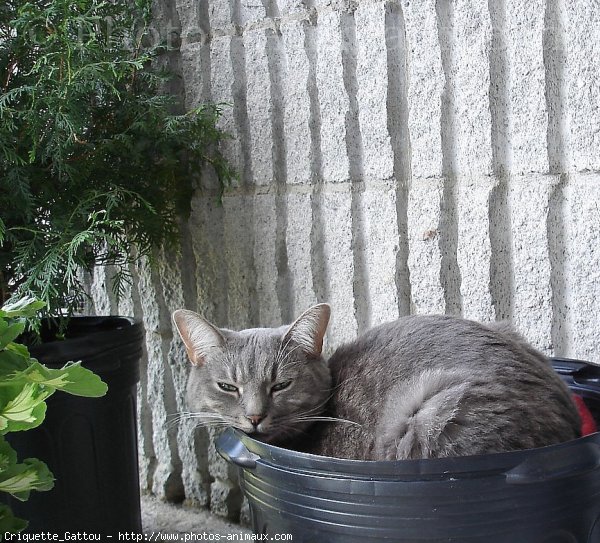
(199, 336)
(309, 329)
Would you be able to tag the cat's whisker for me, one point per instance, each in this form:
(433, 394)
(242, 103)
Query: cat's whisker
(328, 419)
(311, 415)
(216, 425)
(289, 418)
(221, 421)
(308, 415)
(199, 415)
(202, 418)
(315, 409)
(176, 419)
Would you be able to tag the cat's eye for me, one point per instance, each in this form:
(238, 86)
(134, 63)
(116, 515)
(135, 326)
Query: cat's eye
(277, 387)
(227, 387)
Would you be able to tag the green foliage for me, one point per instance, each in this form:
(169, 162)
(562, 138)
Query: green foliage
(25, 385)
(95, 163)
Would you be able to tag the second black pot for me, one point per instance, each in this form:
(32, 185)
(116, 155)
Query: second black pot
(90, 444)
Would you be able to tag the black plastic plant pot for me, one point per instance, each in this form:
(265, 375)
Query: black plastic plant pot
(90, 444)
(545, 495)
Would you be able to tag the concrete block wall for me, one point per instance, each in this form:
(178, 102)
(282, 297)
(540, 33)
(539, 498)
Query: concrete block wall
(395, 157)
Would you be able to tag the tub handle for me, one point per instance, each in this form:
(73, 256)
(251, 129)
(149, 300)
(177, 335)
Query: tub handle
(231, 448)
(556, 464)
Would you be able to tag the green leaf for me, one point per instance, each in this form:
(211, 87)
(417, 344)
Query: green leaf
(20, 479)
(18, 349)
(11, 332)
(25, 307)
(13, 359)
(25, 407)
(8, 456)
(72, 378)
(9, 523)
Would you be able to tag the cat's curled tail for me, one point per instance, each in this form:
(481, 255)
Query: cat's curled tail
(421, 416)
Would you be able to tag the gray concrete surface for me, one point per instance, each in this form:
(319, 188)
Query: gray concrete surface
(167, 518)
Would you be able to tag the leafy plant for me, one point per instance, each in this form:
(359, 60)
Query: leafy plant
(25, 385)
(96, 162)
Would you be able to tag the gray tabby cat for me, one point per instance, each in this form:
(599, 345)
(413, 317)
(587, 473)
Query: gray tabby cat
(418, 387)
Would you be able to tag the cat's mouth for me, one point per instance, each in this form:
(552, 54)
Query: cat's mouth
(260, 430)
(261, 434)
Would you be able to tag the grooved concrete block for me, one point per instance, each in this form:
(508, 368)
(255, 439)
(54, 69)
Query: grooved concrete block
(245, 518)
(582, 222)
(146, 456)
(166, 481)
(335, 5)
(225, 499)
(260, 105)
(238, 247)
(361, 290)
(129, 305)
(191, 16)
(206, 233)
(297, 111)
(337, 241)
(532, 305)
(583, 81)
(167, 25)
(224, 88)
(225, 495)
(101, 291)
(425, 87)
(251, 12)
(379, 225)
(85, 279)
(126, 303)
(525, 27)
(425, 255)
(334, 102)
(396, 104)
(292, 7)
(169, 268)
(501, 266)
(191, 447)
(556, 88)
(469, 84)
(372, 82)
(220, 15)
(219, 468)
(474, 251)
(300, 223)
(192, 443)
(267, 233)
(195, 61)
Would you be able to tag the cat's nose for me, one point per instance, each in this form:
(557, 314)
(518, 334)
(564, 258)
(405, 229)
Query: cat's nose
(255, 419)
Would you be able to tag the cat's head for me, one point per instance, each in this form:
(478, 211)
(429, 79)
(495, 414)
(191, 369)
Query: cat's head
(268, 382)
